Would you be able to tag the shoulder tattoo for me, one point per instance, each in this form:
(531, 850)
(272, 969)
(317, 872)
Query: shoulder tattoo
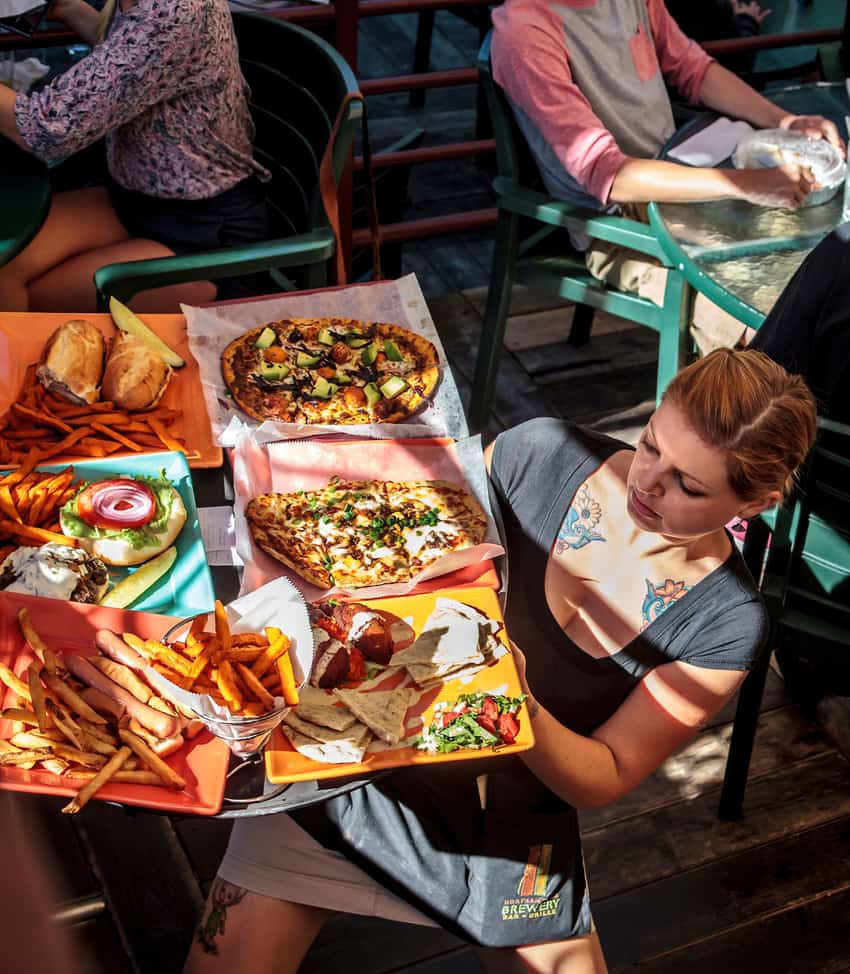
(659, 598)
(222, 896)
(580, 526)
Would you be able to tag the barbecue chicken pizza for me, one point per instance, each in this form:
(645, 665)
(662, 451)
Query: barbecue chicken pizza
(366, 532)
(330, 370)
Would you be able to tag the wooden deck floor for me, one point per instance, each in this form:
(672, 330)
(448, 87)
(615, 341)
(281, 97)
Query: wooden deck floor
(674, 889)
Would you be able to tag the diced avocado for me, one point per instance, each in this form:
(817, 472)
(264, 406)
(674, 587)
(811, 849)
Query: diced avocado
(306, 361)
(342, 378)
(273, 370)
(390, 347)
(323, 389)
(266, 338)
(353, 340)
(394, 386)
(369, 354)
(373, 393)
(325, 337)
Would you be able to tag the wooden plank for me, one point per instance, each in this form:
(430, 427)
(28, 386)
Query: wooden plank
(629, 350)
(834, 715)
(351, 944)
(784, 737)
(807, 938)
(669, 839)
(552, 325)
(599, 394)
(154, 898)
(524, 299)
(714, 899)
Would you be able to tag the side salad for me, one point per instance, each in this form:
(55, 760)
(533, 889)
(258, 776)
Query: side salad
(474, 720)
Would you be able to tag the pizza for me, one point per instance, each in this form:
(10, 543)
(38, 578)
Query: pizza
(360, 533)
(330, 370)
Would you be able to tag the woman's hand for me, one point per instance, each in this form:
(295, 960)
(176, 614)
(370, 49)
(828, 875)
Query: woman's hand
(519, 662)
(751, 9)
(814, 127)
(782, 186)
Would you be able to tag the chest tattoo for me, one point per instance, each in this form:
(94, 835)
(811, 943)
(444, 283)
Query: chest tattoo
(579, 527)
(659, 598)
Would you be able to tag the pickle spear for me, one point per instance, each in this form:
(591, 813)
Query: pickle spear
(127, 321)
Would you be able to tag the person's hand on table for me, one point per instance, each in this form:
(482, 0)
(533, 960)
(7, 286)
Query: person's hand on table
(815, 127)
(782, 186)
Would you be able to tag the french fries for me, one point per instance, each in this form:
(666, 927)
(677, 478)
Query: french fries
(238, 670)
(54, 729)
(39, 426)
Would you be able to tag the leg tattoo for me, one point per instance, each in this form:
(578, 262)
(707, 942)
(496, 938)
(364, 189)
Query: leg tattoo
(223, 895)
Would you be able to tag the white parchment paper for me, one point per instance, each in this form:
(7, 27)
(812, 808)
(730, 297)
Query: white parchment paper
(400, 302)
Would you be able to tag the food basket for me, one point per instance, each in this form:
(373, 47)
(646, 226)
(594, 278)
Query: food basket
(777, 147)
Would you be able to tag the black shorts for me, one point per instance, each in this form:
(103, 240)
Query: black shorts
(236, 217)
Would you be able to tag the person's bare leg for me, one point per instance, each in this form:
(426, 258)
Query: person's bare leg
(70, 285)
(245, 933)
(581, 955)
(78, 221)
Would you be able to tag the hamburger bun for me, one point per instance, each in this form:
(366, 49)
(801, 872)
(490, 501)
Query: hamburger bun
(136, 375)
(117, 551)
(73, 362)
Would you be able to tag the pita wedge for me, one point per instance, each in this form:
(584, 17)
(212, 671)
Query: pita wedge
(320, 707)
(456, 638)
(382, 711)
(339, 747)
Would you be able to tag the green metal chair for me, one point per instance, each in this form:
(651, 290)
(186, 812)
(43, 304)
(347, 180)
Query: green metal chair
(300, 87)
(806, 587)
(544, 259)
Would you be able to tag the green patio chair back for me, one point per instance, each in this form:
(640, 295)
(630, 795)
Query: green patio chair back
(806, 587)
(299, 84)
(531, 247)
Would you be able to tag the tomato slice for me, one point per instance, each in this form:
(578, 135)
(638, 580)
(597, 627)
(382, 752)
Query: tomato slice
(123, 504)
(508, 727)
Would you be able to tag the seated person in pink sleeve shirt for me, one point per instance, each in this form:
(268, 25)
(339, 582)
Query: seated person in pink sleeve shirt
(586, 81)
(162, 85)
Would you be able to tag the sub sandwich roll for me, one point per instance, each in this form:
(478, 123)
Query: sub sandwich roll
(73, 362)
(136, 375)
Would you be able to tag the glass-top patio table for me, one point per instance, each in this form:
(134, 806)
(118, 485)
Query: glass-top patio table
(742, 256)
(24, 198)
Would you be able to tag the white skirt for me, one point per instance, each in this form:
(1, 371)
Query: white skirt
(273, 856)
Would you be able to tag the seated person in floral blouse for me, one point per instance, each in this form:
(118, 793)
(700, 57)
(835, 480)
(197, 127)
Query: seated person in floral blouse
(162, 84)
(586, 81)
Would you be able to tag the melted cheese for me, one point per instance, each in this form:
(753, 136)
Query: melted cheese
(43, 571)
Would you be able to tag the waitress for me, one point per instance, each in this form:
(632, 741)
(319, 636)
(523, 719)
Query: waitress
(162, 86)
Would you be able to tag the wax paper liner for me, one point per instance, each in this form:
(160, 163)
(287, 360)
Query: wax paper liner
(257, 469)
(400, 302)
(278, 603)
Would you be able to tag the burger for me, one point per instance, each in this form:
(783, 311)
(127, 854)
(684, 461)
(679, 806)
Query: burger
(55, 571)
(124, 521)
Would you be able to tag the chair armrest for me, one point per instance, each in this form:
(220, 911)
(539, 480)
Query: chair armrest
(126, 279)
(546, 209)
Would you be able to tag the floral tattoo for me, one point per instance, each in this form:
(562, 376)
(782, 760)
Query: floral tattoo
(579, 526)
(223, 896)
(659, 598)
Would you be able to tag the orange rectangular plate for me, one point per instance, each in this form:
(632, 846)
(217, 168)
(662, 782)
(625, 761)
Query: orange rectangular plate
(22, 341)
(284, 764)
(70, 627)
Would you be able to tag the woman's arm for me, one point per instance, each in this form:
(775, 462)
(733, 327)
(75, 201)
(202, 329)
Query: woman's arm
(664, 711)
(8, 125)
(79, 16)
(653, 180)
(725, 92)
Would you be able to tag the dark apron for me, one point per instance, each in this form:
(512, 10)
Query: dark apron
(504, 876)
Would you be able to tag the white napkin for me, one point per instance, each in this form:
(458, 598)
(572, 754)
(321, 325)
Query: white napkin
(712, 144)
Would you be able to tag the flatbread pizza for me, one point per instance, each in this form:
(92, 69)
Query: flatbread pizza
(330, 371)
(360, 533)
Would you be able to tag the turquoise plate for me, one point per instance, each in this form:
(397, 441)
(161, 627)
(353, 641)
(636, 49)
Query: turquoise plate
(187, 589)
